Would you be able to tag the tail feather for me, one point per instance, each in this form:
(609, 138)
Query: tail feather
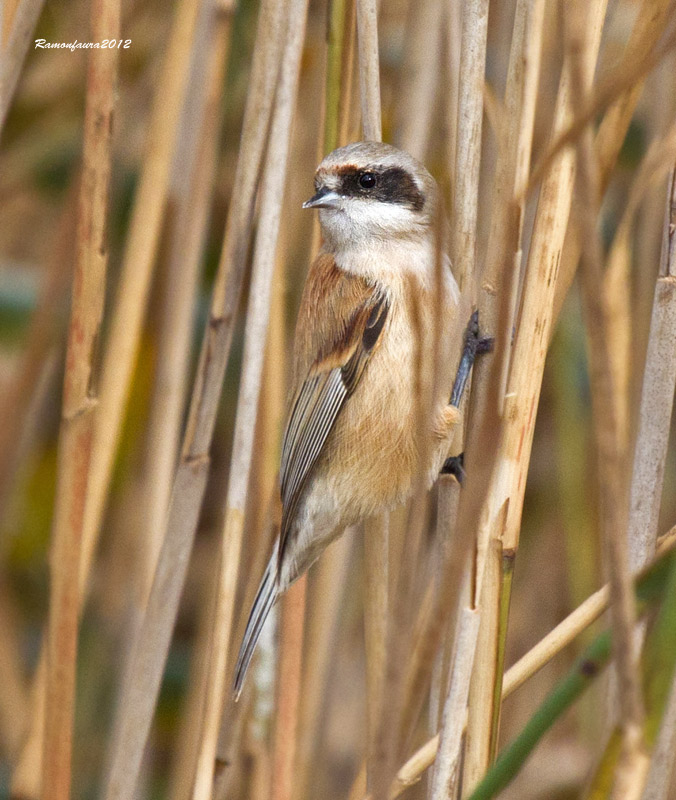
(265, 599)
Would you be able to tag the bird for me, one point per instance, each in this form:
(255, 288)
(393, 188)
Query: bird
(375, 303)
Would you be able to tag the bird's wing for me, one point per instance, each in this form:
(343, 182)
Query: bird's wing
(319, 400)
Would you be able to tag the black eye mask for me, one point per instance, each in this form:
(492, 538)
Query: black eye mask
(391, 185)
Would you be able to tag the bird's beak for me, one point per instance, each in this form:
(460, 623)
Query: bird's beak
(325, 198)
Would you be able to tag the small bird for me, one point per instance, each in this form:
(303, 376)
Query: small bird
(374, 305)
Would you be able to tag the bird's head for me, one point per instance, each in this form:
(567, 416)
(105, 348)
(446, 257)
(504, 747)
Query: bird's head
(372, 190)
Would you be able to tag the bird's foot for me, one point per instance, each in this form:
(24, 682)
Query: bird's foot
(455, 466)
(475, 345)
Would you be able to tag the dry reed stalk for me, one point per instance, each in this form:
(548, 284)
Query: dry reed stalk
(322, 630)
(500, 278)
(14, 699)
(16, 403)
(262, 505)
(151, 646)
(658, 782)
(617, 286)
(27, 775)
(527, 666)
(657, 399)
(121, 347)
(502, 513)
(610, 452)
(255, 337)
(188, 737)
(486, 677)
(376, 530)
(78, 408)
(288, 690)
(194, 171)
(420, 77)
(650, 24)
(331, 571)
(21, 25)
(369, 69)
(444, 782)
(7, 12)
(468, 141)
(376, 582)
(467, 152)
(205, 169)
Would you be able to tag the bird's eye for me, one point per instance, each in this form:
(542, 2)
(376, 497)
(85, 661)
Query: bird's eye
(367, 180)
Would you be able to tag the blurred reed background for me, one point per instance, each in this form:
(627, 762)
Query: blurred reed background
(143, 383)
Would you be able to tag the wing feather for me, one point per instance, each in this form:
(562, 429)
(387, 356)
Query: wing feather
(318, 403)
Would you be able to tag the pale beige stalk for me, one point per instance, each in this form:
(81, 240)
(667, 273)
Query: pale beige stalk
(657, 400)
(78, 408)
(288, 691)
(376, 561)
(500, 279)
(444, 781)
(194, 170)
(506, 490)
(369, 69)
(14, 698)
(44, 329)
(417, 103)
(527, 666)
(649, 26)
(613, 504)
(617, 297)
(327, 605)
(375, 531)
(659, 780)
(152, 644)
(468, 140)
(21, 26)
(121, 347)
(249, 391)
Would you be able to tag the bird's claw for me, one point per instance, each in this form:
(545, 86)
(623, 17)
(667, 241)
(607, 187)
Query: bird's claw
(475, 345)
(455, 465)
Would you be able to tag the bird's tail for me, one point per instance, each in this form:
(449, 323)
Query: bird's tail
(265, 599)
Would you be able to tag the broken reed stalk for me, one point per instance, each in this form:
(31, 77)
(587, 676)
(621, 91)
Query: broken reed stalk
(609, 446)
(500, 279)
(530, 663)
(194, 173)
(152, 644)
(649, 26)
(21, 25)
(78, 408)
(249, 392)
(659, 381)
